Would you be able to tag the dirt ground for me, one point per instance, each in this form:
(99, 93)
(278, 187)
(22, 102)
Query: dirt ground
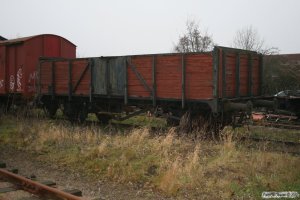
(66, 179)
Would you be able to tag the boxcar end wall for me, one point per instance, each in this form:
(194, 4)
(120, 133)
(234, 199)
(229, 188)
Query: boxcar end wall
(19, 59)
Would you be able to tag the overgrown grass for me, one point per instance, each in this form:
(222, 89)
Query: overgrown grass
(166, 162)
(291, 135)
(143, 120)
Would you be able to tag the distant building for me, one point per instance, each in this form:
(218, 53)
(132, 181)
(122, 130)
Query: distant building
(2, 38)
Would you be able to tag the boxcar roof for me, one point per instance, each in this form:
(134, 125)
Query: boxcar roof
(24, 39)
(2, 38)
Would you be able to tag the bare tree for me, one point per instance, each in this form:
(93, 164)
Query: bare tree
(248, 38)
(279, 73)
(194, 40)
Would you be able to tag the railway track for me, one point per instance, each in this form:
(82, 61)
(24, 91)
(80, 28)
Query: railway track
(277, 121)
(282, 125)
(11, 184)
(257, 139)
(271, 145)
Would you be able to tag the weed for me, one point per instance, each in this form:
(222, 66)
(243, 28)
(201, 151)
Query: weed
(168, 162)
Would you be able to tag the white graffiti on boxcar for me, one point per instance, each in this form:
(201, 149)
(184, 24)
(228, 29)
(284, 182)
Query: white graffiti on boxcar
(31, 81)
(32, 77)
(1, 83)
(19, 79)
(11, 82)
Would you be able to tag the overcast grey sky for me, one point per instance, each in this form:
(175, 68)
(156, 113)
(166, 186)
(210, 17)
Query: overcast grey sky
(122, 27)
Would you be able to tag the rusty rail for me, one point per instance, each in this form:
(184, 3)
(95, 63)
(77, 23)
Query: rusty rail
(35, 187)
(276, 120)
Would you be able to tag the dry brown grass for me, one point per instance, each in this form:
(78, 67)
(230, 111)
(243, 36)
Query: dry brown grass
(174, 165)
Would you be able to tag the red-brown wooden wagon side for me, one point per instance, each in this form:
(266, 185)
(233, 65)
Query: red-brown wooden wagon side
(219, 81)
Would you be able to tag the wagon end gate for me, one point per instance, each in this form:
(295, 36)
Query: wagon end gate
(237, 77)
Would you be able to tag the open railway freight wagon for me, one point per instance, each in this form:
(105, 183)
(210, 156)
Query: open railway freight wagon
(19, 59)
(216, 84)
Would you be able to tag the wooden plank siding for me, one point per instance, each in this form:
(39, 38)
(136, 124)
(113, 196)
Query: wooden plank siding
(198, 83)
(163, 72)
(228, 61)
(61, 82)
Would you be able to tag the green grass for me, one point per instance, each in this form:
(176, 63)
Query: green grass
(270, 133)
(165, 162)
(8, 128)
(143, 120)
(276, 134)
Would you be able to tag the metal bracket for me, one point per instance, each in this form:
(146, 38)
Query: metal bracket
(81, 77)
(153, 81)
(237, 75)
(70, 80)
(224, 76)
(250, 81)
(139, 76)
(53, 80)
(183, 74)
(91, 65)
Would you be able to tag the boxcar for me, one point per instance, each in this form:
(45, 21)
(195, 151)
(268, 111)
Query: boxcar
(19, 59)
(224, 80)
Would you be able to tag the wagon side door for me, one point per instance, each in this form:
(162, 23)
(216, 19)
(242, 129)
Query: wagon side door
(117, 70)
(99, 76)
(109, 75)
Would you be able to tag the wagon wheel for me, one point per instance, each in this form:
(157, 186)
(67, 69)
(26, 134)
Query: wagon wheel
(228, 119)
(70, 111)
(82, 115)
(5, 106)
(172, 122)
(173, 117)
(75, 112)
(50, 109)
(103, 118)
(1, 109)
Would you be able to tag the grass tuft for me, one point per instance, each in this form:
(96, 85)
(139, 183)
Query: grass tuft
(166, 162)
